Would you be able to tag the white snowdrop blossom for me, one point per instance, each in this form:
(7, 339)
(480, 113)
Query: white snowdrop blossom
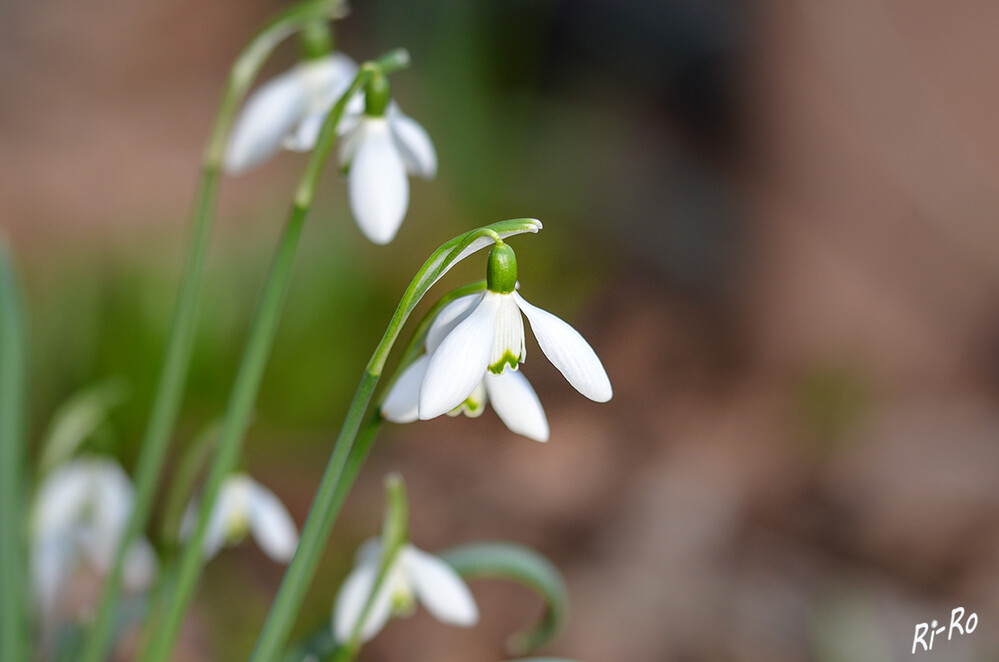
(377, 153)
(79, 516)
(288, 110)
(412, 575)
(245, 506)
(510, 393)
(486, 337)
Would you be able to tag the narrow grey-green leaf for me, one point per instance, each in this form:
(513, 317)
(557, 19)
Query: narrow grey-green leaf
(501, 560)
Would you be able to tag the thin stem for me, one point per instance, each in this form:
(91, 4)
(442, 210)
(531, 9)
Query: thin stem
(183, 482)
(247, 383)
(15, 641)
(177, 358)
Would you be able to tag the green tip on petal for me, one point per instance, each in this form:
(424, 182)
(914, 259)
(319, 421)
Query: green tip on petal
(508, 359)
(501, 272)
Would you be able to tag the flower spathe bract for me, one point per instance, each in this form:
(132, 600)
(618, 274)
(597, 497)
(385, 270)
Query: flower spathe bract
(243, 507)
(411, 575)
(79, 515)
(485, 333)
(378, 153)
(288, 110)
(511, 395)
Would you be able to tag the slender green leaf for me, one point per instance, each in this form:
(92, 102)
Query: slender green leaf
(500, 560)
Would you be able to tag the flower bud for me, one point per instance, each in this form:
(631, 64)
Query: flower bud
(377, 95)
(501, 272)
(316, 40)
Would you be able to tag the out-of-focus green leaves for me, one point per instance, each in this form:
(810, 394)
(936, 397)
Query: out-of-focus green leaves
(83, 416)
(501, 560)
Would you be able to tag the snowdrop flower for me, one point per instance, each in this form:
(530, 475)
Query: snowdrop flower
(80, 513)
(488, 338)
(288, 111)
(510, 393)
(413, 574)
(379, 149)
(245, 506)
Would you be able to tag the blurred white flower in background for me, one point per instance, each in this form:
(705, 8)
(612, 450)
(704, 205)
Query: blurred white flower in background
(80, 512)
(412, 574)
(288, 111)
(378, 152)
(244, 507)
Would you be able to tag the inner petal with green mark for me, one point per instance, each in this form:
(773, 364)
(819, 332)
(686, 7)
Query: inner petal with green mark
(508, 343)
(474, 404)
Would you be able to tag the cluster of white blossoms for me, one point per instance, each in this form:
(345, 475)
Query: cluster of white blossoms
(243, 507)
(79, 515)
(474, 348)
(380, 144)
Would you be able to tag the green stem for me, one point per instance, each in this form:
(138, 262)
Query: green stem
(183, 482)
(15, 641)
(333, 487)
(177, 358)
(246, 386)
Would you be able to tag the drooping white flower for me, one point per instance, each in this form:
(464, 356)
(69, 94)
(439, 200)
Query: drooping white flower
(79, 515)
(510, 393)
(243, 507)
(413, 575)
(378, 152)
(288, 110)
(489, 336)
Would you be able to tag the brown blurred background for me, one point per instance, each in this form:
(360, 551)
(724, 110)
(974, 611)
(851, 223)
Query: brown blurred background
(775, 222)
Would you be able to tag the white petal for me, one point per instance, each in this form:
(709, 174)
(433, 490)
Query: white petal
(569, 352)
(449, 317)
(457, 366)
(268, 116)
(379, 190)
(517, 404)
(231, 510)
(348, 146)
(439, 588)
(218, 529)
(414, 145)
(303, 137)
(474, 404)
(369, 551)
(508, 343)
(352, 598)
(402, 404)
(62, 498)
(353, 114)
(326, 79)
(271, 524)
(50, 564)
(112, 502)
(140, 565)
